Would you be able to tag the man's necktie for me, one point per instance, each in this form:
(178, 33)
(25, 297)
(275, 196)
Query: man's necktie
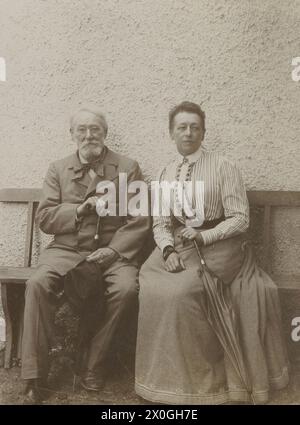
(90, 166)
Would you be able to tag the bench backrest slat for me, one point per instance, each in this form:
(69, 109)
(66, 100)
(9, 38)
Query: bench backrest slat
(276, 198)
(256, 197)
(20, 195)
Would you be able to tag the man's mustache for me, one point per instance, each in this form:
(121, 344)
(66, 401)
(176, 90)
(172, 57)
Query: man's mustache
(89, 142)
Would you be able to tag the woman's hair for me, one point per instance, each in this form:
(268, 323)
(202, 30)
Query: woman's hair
(186, 107)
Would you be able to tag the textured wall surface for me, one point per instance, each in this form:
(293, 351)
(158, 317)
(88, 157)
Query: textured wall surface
(136, 59)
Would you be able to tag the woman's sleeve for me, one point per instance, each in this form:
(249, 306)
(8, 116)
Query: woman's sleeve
(235, 205)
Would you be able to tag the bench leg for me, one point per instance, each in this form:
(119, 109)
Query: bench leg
(9, 328)
(20, 333)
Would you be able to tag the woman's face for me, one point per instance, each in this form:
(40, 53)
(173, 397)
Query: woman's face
(187, 132)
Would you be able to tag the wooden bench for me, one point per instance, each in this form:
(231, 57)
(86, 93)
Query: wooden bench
(12, 277)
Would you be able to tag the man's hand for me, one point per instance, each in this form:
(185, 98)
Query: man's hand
(174, 263)
(103, 256)
(192, 234)
(88, 207)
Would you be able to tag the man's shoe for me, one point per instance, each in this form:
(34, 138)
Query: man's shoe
(92, 382)
(33, 392)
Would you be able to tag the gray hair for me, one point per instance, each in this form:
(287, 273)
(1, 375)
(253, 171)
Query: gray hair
(93, 110)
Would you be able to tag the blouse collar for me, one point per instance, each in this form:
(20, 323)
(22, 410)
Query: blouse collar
(193, 157)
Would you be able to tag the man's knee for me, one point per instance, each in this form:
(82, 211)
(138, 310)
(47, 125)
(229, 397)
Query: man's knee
(127, 288)
(43, 281)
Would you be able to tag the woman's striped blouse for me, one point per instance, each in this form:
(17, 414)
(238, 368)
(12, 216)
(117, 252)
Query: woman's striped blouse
(224, 194)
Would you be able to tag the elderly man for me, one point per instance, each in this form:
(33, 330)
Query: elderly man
(68, 211)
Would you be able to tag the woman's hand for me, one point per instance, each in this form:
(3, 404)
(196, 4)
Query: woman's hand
(192, 235)
(189, 233)
(174, 263)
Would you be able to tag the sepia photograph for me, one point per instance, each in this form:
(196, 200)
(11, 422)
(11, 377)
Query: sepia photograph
(149, 205)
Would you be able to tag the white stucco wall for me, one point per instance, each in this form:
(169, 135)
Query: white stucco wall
(136, 59)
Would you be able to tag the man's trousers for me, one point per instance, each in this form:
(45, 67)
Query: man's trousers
(41, 299)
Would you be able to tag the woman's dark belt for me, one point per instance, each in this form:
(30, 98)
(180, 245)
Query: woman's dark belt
(208, 224)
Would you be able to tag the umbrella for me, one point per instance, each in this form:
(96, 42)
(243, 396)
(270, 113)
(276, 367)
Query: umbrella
(221, 318)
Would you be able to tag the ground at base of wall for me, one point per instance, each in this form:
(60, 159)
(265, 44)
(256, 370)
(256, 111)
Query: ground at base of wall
(119, 390)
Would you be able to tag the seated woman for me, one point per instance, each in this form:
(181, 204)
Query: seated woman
(179, 357)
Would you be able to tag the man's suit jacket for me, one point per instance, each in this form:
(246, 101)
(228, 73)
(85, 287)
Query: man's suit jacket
(65, 187)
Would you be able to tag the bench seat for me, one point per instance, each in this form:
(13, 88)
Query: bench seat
(15, 274)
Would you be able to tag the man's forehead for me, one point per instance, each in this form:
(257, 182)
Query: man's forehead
(86, 117)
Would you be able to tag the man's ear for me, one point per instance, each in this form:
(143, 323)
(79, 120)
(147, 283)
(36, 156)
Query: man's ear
(72, 133)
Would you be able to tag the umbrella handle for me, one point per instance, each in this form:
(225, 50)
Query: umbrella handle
(96, 237)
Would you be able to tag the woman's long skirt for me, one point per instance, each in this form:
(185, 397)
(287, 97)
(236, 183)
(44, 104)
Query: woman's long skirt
(179, 359)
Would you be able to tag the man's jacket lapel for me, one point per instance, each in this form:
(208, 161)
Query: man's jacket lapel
(107, 170)
(77, 173)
